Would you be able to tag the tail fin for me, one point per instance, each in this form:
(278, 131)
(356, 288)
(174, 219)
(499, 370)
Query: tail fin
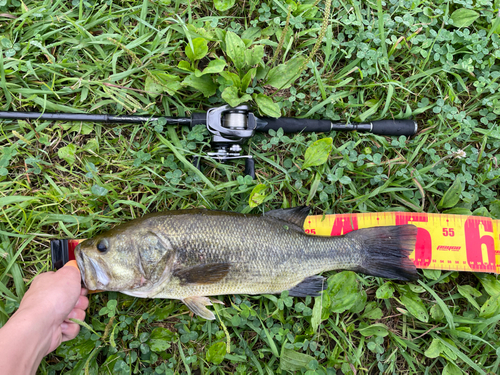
(385, 251)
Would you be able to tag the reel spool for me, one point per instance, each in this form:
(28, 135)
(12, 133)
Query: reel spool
(230, 128)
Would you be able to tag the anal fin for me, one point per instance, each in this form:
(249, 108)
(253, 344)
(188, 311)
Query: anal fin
(197, 305)
(310, 286)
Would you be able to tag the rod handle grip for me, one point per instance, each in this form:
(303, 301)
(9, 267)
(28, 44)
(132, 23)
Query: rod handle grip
(394, 127)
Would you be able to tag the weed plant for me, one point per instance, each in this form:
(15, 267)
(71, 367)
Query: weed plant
(435, 61)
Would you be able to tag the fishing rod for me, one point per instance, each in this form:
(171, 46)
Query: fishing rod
(231, 127)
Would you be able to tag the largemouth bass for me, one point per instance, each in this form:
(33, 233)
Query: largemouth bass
(191, 254)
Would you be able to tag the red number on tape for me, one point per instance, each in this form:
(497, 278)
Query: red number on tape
(344, 224)
(474, 242)
(423, 247)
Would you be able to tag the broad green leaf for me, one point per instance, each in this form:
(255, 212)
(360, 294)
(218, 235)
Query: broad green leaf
(267, 106)
(464, 17)
(491, 307)
(415, 306)
(316, 313)
(184, 65)
(468, 292)
(231, 77)
(254, 56)
(257, 195)
(198, 50)
(251, 33)
(385, 291)
(437, 313)
(203, 84)
(78, 347)
(372, 311)
(247, 78)
(481, 211)
(99, 190)
(452, 196)
(451, 369)
(4, 201)
(161, 339)
(343, 291)
(432, 274)
(214, 66)
(83, 128)
(317, 153)
(458, 211)
(360, 303)
(284, 75)
(447, 350)
(223, 5)
(162, 313)
(68, 153)
(171, 83)
(490, 283)
(235, 50)
(216, 353)
(231, 96)
(495, 206)
(435, 349)
(152, 88)
(495, 28)
(416, 288)
(290, 360)
(377, 329)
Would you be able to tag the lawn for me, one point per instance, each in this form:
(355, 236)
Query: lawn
(437, 62)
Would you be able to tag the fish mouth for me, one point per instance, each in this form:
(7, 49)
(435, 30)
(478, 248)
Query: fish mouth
(94, 275)
(81, 264)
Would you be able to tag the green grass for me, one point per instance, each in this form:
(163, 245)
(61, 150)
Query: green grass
(379, 59)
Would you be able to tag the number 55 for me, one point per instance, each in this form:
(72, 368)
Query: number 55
(448, 232)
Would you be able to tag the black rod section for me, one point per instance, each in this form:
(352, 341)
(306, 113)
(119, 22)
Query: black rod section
(110, 119)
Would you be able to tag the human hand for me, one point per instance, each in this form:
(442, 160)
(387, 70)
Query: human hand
(42, 321)
(52, 299)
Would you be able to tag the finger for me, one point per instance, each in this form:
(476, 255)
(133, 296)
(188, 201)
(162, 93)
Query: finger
(82, 303)
(76, 314)
(84, 292)
(69, 331)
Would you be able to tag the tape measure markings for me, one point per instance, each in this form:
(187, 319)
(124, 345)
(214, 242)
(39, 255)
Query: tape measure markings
(446, 242)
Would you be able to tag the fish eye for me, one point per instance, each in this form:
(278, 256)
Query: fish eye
(102, 245)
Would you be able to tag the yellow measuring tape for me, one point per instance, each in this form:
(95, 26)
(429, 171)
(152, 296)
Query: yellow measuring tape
(444, 242)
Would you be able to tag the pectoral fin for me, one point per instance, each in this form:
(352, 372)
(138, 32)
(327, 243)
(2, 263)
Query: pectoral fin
(197, 306)
(310, 286)
(203, 274)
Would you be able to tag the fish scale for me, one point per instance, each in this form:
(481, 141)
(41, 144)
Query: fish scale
(260, 267)
(192, 254)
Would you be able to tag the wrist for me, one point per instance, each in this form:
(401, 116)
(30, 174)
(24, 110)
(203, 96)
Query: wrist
(33, 330)
(22, 345)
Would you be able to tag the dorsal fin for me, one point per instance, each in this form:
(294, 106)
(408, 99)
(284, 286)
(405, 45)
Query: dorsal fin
(295, 215)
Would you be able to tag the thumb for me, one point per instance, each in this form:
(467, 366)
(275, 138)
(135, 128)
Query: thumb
(71, 271)
(72, 263)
